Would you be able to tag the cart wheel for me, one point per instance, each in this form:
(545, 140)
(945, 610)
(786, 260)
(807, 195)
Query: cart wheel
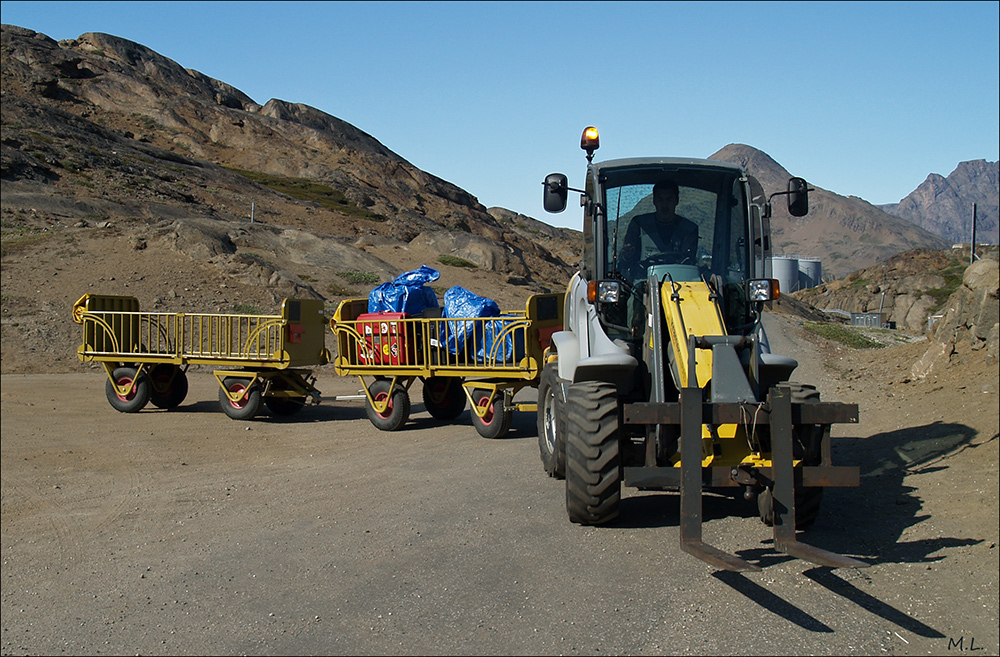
(398, 410)
(169, 386)
(496, 422)
(138, 396)
(444, 397)
(248, 406)
(283, 406)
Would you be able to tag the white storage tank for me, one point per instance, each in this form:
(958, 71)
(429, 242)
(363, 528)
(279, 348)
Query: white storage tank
(810, 273)
(786, 270)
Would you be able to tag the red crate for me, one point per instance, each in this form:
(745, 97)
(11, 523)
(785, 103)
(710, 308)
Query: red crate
(386, 340)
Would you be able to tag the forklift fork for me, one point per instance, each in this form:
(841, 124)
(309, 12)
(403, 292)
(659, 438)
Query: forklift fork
(783, 495)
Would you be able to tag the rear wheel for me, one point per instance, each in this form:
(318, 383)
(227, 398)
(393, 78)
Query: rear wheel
(248, 405)
(444, 398)
(137, 386)
(169, 386)
(282, 405)
(396, 412)
(495, 422)
(807, 503)
(808, 447)
(593, 456)
(551, 423)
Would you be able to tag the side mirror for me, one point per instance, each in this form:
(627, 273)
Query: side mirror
(798, 197)
(556, 189)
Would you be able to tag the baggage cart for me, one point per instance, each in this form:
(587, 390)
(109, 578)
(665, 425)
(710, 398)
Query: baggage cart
(146, 355)
(484, 361)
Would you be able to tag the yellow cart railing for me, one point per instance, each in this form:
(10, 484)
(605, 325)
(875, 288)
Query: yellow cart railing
(481, 360)
(146, 354)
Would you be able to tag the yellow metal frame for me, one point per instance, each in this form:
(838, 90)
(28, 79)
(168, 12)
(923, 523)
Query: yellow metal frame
(296, 380)
(420, 347)
(690, 309)
(116, 331)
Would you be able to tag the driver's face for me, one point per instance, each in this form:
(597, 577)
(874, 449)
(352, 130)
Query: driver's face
(665, 202)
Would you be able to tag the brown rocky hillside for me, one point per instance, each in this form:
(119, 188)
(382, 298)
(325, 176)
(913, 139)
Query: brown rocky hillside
(944, 206)
(102, 132)
(936, 294)
(845, 233)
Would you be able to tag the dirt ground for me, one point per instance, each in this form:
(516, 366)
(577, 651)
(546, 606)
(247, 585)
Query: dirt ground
(87, 492)
(927, 448)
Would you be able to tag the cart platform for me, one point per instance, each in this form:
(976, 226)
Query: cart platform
(482, 360)
(146, 354)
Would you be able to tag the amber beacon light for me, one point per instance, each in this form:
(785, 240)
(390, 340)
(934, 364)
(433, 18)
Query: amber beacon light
(590, 141)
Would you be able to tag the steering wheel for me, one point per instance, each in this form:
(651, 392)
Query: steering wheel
(666, 258)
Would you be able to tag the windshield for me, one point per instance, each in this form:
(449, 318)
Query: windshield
(688, 223)
(698, 218)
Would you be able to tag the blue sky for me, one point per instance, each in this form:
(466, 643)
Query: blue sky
(863, 99)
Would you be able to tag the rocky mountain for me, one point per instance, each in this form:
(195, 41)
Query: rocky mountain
(845, 233)
(104, 138)
(101, 131)
(944, 206)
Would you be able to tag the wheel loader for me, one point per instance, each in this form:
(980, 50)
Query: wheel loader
(662, 377)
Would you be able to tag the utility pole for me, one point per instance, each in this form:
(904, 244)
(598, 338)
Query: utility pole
(972, 256)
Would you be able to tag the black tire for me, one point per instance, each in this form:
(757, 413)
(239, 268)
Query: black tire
(807, 446)
(496, 422)
(283, 406)
(248, 406)
(169, 386)
(807, 504)
(551, 423)
(398, 411)
(443, 397)
(593, 454)
(137, 398)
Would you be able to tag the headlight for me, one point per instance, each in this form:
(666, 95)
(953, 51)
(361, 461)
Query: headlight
(603, 291)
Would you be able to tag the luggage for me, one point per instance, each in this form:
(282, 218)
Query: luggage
(386, 340)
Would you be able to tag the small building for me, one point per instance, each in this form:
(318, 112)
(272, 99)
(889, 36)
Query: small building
(869, 320)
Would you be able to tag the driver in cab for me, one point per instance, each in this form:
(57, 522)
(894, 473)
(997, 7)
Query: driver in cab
(661, 233)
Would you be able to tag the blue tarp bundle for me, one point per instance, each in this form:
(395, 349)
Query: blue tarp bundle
(461, 303)
(407, 293)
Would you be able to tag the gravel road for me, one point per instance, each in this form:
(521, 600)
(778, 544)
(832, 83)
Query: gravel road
(184, 532)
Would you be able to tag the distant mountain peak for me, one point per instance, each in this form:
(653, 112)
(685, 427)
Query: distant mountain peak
(944, 206)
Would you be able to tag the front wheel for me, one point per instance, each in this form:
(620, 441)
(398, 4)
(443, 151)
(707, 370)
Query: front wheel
(396, 412)
(807, 446)
(137, 390)
(551, 423)
(248, 405)
(593, 454)
(495, 422)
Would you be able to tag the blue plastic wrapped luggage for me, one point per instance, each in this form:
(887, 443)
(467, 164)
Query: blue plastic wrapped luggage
(407, 293)
(464, 337)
